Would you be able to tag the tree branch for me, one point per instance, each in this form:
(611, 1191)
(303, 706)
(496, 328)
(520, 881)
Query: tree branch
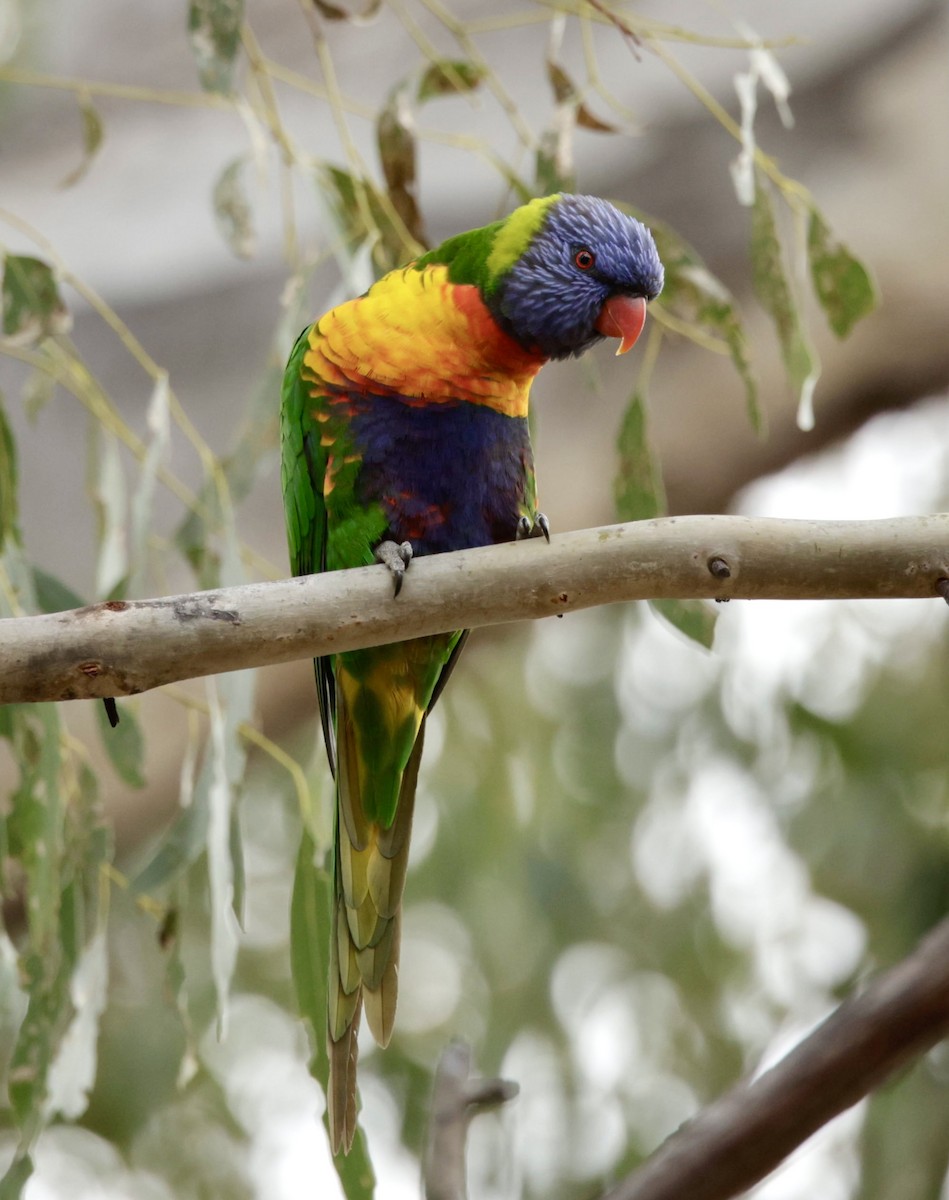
(120, 647)
(457, 1097)
(745, 1134)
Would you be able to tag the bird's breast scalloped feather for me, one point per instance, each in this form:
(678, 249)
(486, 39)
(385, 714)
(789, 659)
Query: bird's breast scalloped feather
(417, 335)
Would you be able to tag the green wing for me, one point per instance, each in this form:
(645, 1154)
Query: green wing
(302, 469)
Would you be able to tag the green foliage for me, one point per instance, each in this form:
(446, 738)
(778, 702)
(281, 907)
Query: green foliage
(93, 132)
(446, 77)
(694, 296)
(775, 293)
(32, 306)
(9, 505)
(125, 745)
(639, 492)
(232, 210)
(214, 28)
(396, 142)
(842, 283)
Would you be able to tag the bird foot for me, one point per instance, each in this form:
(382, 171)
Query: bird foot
(396, 557)
(539, 527)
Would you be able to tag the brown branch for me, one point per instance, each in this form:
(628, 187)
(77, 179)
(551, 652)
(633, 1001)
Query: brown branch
(120, 647)
(457, 1097)
(744, 1135)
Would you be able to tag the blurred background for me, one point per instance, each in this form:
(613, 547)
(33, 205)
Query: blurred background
(640, 869)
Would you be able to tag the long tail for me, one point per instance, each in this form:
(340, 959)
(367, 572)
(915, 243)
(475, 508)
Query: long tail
(367, 919)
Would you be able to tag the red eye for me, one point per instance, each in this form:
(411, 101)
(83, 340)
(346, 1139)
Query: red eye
(585, 259)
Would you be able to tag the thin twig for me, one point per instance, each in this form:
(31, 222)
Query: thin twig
(743, 1136)
(456, 1098)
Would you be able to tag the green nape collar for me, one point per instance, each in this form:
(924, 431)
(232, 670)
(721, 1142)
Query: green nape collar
(483, 256)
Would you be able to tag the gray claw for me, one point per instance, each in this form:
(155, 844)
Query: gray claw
(396, 557)
(539, 527)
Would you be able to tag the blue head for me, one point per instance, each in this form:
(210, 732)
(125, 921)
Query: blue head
(567, 270)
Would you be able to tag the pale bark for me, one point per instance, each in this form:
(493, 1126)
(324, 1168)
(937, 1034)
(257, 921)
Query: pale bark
(118, 648)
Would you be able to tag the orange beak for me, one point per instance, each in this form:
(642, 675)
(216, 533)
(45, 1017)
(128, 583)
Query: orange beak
(622, 317)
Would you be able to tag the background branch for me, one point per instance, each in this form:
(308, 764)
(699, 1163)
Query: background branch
(743, 1136)
(122, 647)
(456, 1098)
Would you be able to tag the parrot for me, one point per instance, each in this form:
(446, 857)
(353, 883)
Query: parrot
(404, 432)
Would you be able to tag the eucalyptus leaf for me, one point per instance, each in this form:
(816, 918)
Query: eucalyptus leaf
(446, 77)
(362, 218)
(92, 134)
(697, 297)
(9, 502)
(777, 298)
(16, 1177)
(52, 595)
(232, 210)
(214, 29)
(224, 929)
(32, 306)
(140, 523)
(395, 137)
(107, 489)
(638, 489)
(73, 1070)
(124, 744)
(842, 283)
(553, 161)
(693, 618)
(335, 12)
(37, 392)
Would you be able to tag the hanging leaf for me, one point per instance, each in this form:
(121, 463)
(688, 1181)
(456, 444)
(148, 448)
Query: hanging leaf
(561, 83)
(184, 842)
(566, 93)
(52, 830)
(335, 12)
(696, 297)
(214, 29)
(52, 595)
(73, 1070)
(640, 496)
(774, 291)
(589, 120)
(362, 218)
(693, 618)
(107, 489)
(232, 210)
(37, 392)
(140, 524)
(9, 504)
(395, 137)
(32, 306)
(842, 283)
(124, 744)
(226, 756)
(638, 488)
(16, 1178)
(92, 133)
(553, 163)
(447, 77)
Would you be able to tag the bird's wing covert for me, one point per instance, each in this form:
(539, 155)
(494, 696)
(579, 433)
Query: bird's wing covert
(303, 467)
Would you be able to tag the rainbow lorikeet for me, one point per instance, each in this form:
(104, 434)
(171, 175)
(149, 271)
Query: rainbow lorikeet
(404, 431)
